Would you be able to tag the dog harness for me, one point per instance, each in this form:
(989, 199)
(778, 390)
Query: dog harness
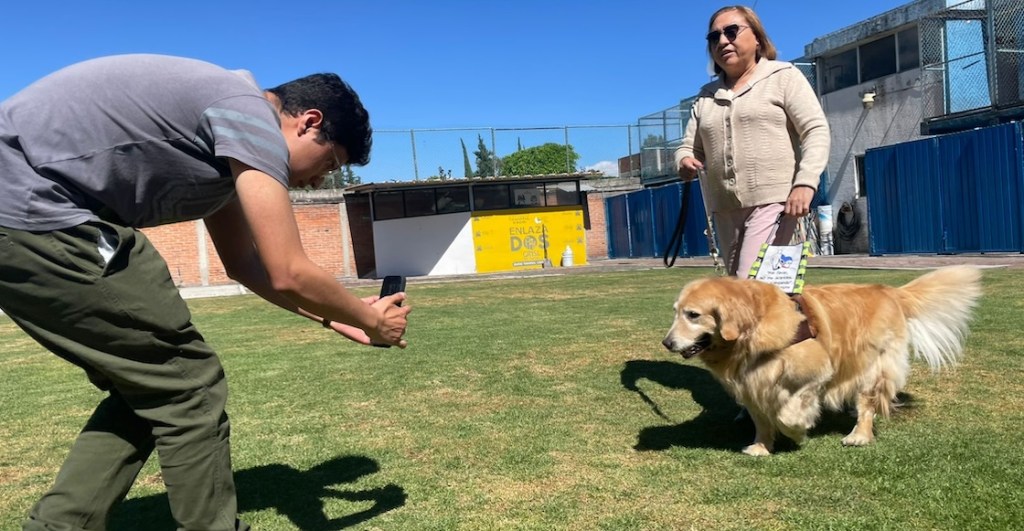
(806, 330)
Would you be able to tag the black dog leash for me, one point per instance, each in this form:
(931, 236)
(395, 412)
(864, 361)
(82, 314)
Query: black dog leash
(676, 241)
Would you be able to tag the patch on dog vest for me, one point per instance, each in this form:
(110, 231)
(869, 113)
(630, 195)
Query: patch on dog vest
(782, 265)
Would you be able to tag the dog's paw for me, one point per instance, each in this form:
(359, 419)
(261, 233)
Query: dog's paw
(757, 450)
(796, 435)
(857, 439)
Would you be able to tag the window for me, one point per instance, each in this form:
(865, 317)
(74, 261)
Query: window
(419, 202)
(431, 200)
(839, 71)
(388, 205)
(490, 197)
(907, 49)
(454, 199)
(862, 178)
(897, 52)
(563, 193)
(527, 195)
(878, 58)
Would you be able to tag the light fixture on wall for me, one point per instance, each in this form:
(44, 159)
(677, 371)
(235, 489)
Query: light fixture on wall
(867, 99)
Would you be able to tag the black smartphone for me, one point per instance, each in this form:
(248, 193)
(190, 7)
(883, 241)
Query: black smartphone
(392, 284)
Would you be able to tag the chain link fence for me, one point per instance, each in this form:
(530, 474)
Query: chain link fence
(971, 57)
(660, 133)
(477, 152)
(1007, 23)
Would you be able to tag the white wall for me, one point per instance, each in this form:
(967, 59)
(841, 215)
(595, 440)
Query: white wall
(902, 102)
(426, 245)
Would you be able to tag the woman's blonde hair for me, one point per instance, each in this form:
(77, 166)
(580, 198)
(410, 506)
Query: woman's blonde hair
(766, 49)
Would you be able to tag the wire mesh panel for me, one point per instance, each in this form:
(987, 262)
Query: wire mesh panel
(1007, 23)
(972, 55)
(809, 70)
(660, 133)
(955, 59)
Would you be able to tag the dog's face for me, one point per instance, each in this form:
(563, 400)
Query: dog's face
(700, 322)
(715, 316)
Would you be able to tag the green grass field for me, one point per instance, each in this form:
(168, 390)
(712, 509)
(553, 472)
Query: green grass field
(547, 403)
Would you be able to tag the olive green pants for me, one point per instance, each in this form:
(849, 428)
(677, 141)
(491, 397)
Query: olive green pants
(100, 296)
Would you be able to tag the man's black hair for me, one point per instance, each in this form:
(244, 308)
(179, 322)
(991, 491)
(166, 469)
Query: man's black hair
(346, 121)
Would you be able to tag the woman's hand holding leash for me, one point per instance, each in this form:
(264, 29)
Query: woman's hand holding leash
(688, 168)
(798, 204)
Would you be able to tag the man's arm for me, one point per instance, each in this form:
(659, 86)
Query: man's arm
(257, 238)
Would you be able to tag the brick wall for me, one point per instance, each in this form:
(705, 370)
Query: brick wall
(597, 230)
(325, 237)
(322, 228)
(180, 242)
(337, 236)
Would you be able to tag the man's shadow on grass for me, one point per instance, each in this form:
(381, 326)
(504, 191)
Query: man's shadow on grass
(715, 427)
(298, 495)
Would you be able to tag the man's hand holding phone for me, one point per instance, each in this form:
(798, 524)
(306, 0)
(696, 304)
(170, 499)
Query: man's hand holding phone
(392, 295)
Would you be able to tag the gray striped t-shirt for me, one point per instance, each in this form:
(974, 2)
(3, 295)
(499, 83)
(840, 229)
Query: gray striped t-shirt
(138, 139)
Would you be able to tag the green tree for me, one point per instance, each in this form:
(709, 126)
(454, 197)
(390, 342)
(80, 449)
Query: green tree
(544, 159)
(442, 174)
(468, 169)
(349, 177)
(340, 178)
(486, 162)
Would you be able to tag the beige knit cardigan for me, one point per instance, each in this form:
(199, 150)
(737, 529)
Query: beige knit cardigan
(759, 142)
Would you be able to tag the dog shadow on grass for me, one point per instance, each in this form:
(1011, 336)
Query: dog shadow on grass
(296, 494)
(716, 426)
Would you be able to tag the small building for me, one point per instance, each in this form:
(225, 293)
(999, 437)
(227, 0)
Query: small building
(461, 226)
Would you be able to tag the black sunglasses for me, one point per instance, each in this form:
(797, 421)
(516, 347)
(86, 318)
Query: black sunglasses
(730, 32)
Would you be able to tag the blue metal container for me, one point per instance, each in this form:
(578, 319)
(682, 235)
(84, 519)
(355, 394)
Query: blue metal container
(616, 220)
(641, 224)
(956, 193)
(981, 173)
(903, 198)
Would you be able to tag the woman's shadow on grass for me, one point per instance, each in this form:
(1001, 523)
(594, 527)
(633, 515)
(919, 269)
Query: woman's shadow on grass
(296, 494)
(715, 427)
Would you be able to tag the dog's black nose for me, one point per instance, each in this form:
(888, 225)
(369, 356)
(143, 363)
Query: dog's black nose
(667, 342)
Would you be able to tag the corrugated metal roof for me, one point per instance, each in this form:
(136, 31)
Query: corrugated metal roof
(406, 185)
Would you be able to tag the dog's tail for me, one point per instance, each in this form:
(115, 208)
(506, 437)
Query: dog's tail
(938, 307)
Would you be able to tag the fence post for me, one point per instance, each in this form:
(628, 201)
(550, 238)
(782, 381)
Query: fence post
(494, 154)
(415, 165)
(566, 130)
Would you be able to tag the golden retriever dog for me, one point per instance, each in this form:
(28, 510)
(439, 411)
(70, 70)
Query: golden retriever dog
(746, 333)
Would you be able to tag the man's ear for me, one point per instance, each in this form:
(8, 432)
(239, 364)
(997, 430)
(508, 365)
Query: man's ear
(312, 119)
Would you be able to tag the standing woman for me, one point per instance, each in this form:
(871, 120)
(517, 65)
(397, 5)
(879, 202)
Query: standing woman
(759, 132)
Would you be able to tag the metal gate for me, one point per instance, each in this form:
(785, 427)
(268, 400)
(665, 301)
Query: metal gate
(641, 223)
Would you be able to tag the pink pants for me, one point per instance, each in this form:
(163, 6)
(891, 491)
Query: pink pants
(742, 231)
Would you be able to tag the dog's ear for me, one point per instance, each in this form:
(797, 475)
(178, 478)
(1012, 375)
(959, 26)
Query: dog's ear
(728, 328)
(775, 318)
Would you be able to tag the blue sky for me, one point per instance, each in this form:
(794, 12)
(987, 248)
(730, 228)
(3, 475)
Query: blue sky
(433, 64)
